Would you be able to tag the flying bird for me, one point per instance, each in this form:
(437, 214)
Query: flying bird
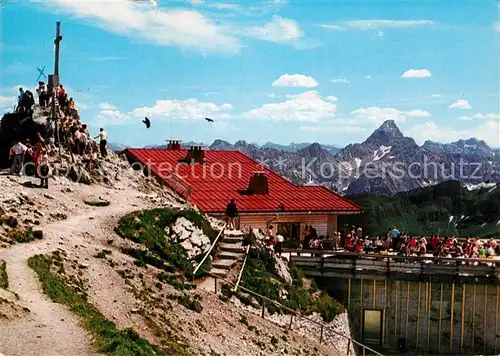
(209, 120)
(147, 122)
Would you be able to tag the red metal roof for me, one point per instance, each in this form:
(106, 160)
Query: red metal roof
(225, 173)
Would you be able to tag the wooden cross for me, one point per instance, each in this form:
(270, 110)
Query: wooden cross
(41, 73)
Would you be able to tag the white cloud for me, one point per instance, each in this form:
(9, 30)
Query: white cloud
(377, 115)
(417, 113)
(7, 103)
(416, 73)
(81, 106)
(170, 27)
(435, 95)
(331, 27)
(167, 109)
(460, 104)
(273, 95)
(278, 30)
(496, 25)
(488, 131)
(308, 106)
(490, 116)
(295, 80)
(377, 24)
(106, 106)
(368, 76)
(340, 80)
(331, 98)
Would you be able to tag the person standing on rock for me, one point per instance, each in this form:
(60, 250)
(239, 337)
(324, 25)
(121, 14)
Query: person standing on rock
(17, 153)
(103, 142)
(231, 213)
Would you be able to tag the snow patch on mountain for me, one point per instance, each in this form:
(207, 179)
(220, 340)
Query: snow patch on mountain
(381, 152)
(481, 185)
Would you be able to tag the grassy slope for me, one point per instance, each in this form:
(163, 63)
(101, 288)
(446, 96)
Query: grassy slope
(259, 276)
(428, 210)
(148, 228)
(106, 336)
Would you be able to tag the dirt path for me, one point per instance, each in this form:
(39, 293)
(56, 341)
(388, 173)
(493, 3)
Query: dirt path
(50, 329)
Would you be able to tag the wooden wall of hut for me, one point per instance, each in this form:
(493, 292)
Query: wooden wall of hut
(424, 317)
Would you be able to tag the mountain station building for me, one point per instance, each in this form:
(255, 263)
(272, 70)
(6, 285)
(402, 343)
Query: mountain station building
(209, 179)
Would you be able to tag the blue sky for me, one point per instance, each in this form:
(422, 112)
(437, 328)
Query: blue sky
(281, 71)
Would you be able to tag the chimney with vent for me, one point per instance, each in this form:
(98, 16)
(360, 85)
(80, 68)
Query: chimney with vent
(174, 145)
(195, 154)
(258, 184)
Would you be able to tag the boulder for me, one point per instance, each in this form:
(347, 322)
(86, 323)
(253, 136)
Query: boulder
(16, 127)
(191, 238)
(282, 270)
(79, 175)
(11, 221)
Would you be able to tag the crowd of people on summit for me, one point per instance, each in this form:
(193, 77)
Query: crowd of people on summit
(65, 129)
(394, 242)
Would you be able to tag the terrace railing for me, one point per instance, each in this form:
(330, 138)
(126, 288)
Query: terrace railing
(326, 261)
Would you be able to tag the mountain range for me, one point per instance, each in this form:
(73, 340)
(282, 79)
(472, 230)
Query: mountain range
(447, 208)
(385, 163)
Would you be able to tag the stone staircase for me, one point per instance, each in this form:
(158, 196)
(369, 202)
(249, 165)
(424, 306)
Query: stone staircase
(230, 251)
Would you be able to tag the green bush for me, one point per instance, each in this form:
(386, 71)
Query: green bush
(27, 235)
(258, 278)
(4, 278)
(178, 281)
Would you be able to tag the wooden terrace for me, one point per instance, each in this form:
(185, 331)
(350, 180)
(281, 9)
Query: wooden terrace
(341, 264)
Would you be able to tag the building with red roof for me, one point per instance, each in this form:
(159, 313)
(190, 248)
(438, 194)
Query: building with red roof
(209, 179)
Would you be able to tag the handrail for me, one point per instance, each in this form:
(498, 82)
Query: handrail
(296, 314)
(241, 271)
(371, 256)
(208, 252)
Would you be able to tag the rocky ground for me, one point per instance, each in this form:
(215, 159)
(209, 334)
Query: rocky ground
(71, 219)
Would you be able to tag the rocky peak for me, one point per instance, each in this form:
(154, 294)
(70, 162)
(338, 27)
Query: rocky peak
(388, 131)
(313, 150)
(241, 144)
(220, 145)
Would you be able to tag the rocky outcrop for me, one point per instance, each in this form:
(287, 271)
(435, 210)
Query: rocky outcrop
(282, 270)
(15, 127)
(191, 238)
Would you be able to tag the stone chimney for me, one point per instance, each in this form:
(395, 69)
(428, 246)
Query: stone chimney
(195, 154)
(174, 145)
(258, 184)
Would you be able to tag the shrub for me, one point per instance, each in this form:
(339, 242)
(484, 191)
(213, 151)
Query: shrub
(4, 278)
(27, 235)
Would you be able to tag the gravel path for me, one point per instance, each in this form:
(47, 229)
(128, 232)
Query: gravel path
(50, 329)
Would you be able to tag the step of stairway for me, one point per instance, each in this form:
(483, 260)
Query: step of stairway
(224, 264)
(227, 255)
(232, 239)
(219, 272)
(234, 233)
(234, 247)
